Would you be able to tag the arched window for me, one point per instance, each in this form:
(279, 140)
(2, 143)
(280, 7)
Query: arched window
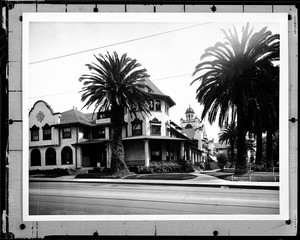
(46, 132)
(66, 156)
(151, 105)
(50, 156)
(157, 105)
(188, 126)
(137, 127)
(35, 157)
(34, 133)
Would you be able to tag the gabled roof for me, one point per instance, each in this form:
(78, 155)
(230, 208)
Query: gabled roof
(157, 92)
(153, 87)
(74, 116)
(46, 104)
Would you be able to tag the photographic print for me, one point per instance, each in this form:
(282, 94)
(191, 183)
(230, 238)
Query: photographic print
(155, 116)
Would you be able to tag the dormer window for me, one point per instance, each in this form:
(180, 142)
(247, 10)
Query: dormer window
(157, 105)
(35, 133)
(155, 127)
(151, 105)
(46, 132)
(137, 127)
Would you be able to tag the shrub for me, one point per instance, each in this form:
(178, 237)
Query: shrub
(213, 165)
(222, 160)
(276, 169)
(186, 166)
(164, 167)
(56, 171)
(258, 168)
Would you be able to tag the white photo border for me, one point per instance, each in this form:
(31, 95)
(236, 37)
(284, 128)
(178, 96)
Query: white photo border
(280, 18)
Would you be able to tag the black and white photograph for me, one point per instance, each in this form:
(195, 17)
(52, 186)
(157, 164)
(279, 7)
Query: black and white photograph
(155, 116)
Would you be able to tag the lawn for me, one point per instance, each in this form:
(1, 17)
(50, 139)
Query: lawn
(162, 176)
(49, 173)
(153, 176)
(250, 176)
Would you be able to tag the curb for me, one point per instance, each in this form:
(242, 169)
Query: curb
(216, 185)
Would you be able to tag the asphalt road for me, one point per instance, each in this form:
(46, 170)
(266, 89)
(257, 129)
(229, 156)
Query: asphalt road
(69, 198)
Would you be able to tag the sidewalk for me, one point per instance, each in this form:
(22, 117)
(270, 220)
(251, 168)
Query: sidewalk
(202, 180)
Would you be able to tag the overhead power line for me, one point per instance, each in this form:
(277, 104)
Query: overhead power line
(54, 94)
(118, 43)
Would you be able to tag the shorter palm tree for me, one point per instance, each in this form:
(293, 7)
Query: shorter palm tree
(116, 84)
(228, 135)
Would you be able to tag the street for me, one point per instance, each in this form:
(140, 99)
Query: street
(69, 198)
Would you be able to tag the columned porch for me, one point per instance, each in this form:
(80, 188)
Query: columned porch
(142, 150)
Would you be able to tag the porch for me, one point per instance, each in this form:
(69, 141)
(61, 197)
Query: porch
(141, 150)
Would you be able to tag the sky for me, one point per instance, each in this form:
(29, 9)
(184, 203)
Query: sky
(58, 52)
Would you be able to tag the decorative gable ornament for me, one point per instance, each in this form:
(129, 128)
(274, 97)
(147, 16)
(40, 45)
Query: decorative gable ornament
(40, 116)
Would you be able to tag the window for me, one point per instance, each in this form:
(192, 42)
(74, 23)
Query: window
(137, 126)
(155, 127)
(157, 105)
(155, 130)
(66, 156)
(46, 132)
(35, 157)
(50, 156)
(35, 133)
(66, 132)
(98, 132)
(151, 105)
(188, 126)
(85, 132)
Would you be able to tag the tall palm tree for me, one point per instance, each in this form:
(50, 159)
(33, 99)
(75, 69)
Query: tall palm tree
(116, 84)
(271, 114)
(228, 73)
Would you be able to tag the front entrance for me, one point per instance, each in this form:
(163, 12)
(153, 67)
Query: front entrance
(94, 155)
(156, 152)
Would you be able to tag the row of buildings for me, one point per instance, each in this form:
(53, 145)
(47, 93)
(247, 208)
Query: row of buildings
(72, 139)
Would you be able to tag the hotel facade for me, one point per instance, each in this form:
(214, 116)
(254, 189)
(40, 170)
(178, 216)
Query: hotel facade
(72, 139)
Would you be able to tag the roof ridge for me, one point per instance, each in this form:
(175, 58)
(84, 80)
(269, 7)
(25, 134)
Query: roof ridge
(77, 118)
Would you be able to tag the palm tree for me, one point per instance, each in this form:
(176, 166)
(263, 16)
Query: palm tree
(271, 114)
(228, 77)
(116, 84)
(228, 135)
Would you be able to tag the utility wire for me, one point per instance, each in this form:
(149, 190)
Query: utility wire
(114, 44)
(54, 94)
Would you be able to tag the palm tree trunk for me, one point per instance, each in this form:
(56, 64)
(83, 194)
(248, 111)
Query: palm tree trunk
(269, 157)
(258, 154)
(118, 164)
(241, 163)
(232, 152)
